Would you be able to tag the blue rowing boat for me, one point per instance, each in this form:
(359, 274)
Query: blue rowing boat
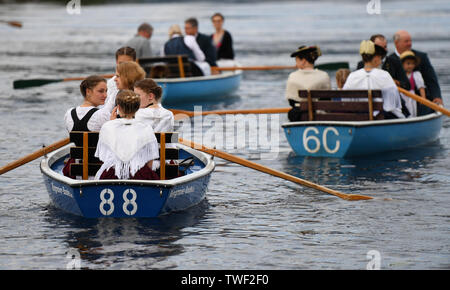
(356, 138)
(127, 198)
(189, 89)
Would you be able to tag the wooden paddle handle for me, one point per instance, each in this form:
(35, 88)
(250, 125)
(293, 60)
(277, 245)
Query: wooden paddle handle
(232, 68)
(425, 102)
(35, 155)
(270, 171)
(83, 78)
(185, 114)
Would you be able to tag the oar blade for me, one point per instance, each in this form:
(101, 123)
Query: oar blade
(333, 65)
(357, 197)
(23, 84)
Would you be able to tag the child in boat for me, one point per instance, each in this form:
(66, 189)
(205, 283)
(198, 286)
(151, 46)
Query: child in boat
(410, 61)
(127, 147)
(341, 77)
(151, 110)
(370, 77)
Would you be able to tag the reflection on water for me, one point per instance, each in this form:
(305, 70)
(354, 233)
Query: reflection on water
(103, 242)
(391, 166)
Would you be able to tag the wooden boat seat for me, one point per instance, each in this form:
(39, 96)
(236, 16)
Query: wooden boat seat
(86, 145)
(339, 105)
(171, 66)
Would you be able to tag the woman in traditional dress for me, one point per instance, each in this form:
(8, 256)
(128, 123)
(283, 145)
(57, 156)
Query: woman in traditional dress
(370, 77)
(88, 116)
(151, 110)
(305, 78)
(126, 146)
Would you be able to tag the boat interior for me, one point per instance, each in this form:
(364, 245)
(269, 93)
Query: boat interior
(338, 105)
(86, 144)
(171, 66)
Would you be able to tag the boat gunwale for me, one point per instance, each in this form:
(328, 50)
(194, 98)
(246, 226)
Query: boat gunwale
(199, 78)
(63, 151)
(365, 123)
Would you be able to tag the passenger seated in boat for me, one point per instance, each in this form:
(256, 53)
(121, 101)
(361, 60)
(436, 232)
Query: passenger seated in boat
(127, 74)
(126, 146)
(179, 45)
(417, 85)
(305, 78)
(87, 116)
(123, 54)
(341, 76)
(372, 78)
(151, 110)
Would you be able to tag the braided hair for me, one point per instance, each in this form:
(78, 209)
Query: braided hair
(128, 101)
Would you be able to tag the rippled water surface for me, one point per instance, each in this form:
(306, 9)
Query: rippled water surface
(249, 220)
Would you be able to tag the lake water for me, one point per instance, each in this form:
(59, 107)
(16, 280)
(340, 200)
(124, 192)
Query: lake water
(249, 220)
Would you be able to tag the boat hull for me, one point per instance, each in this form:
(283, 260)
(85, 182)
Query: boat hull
(185, 90)
(124, 198)
(347, 139)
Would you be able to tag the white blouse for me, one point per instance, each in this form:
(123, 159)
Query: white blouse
(160, 119)
(377, 79)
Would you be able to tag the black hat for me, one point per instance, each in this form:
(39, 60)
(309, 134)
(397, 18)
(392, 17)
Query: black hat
(305, 50)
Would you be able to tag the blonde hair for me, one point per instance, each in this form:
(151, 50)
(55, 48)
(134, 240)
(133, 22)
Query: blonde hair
(174, 29)
(130, 72)
(341, 77)
(128, 101)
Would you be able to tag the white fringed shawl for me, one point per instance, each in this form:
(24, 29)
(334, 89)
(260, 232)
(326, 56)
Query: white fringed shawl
(127, 145)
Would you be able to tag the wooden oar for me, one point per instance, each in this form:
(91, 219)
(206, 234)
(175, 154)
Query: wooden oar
(270, 171)
(183, 113)
(324, 66)
(12, 23)
(35, 155)
(425, 102)
(22, 84)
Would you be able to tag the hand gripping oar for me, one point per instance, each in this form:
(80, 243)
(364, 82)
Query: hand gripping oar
(323, 66)
(35, 155)
(425, 102)
(270, 171)
(23, 84)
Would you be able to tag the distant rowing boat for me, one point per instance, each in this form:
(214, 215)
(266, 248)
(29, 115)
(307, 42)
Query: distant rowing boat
(189, 89)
